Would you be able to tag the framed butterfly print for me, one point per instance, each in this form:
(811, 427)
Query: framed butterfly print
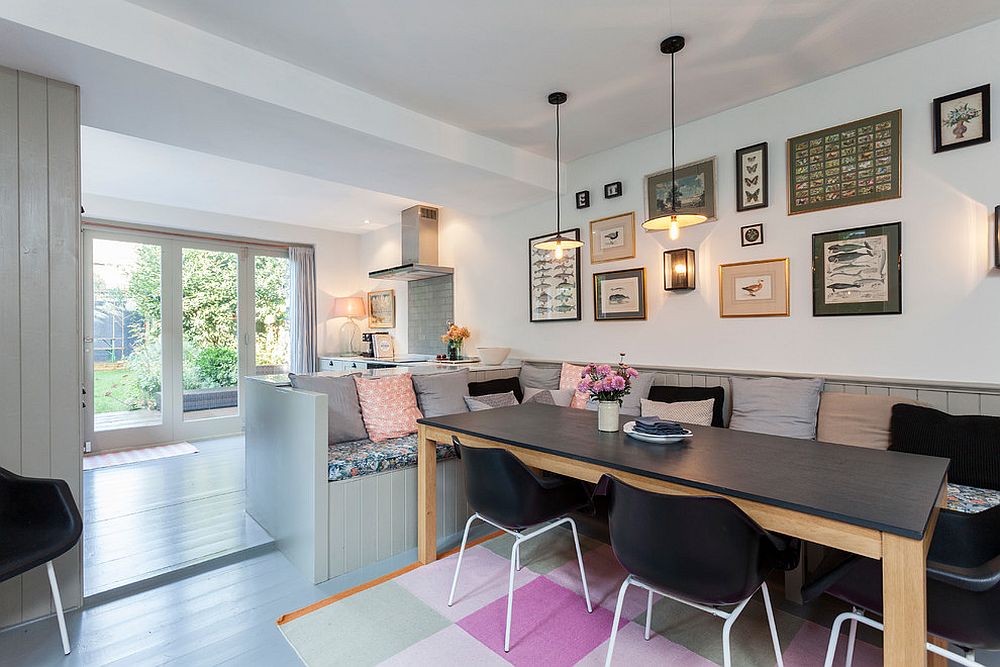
(751, 177)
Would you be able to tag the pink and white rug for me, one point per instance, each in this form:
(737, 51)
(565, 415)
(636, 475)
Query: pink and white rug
(137, 455)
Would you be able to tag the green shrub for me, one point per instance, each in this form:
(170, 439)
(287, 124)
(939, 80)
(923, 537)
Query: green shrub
(218, 367)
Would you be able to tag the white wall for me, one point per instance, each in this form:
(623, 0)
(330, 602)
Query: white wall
(951, 297)
(382, 249)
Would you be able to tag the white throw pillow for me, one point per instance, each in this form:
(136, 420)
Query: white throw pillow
(561, 397)
(687, 412)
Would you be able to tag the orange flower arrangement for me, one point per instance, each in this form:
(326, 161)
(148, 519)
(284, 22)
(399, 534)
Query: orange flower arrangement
(455, 334)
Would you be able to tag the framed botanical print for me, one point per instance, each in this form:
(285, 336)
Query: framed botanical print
(382, 309)
(962, 119)
(620, 295)
(695, 190)
(751, 177)
(553, 282)
(996, 237)
(754, 289)
(612, 238)
(858, 271)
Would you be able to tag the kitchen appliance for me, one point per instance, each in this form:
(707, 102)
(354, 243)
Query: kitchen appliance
(419, 245)
(367, 345)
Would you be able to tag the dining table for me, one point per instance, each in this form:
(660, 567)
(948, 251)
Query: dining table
(879, 504)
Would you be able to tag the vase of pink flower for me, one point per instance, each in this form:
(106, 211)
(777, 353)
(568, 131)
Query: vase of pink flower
(608, 385)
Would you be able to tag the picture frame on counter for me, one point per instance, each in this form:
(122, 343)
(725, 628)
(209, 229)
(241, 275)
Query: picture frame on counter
(382, 309)
(382, 346)
(612, 238)
(754, 289)
(962, 119)
(553, 284)
(858, 271)
(752, 185)
(696, 187)
(751, 235)
(620, 295)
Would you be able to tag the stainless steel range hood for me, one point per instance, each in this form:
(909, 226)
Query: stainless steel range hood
(419, 242)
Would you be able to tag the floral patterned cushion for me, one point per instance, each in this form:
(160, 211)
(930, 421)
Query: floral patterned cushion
(388, 406)
(364, 457)
(970, 499)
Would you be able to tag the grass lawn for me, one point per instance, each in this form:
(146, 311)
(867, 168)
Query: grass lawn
(110, 394)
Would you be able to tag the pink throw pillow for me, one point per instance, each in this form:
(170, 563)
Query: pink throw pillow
(569, 378)
(388, 406)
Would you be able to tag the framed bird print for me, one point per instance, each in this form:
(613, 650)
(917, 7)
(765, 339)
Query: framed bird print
(751, 177)
(754, 289)
(612, 238)
(858, 271)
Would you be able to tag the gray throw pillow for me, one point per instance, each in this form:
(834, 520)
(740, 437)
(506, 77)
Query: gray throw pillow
(561, 397)
(631, 404)
(539, 377)
(490, 401)
(344, 423)
(776, 406)
(442, 393)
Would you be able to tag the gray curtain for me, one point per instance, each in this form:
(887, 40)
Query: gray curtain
(302, 309)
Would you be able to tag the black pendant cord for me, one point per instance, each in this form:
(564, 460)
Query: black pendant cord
(673, 143)
(558, 197)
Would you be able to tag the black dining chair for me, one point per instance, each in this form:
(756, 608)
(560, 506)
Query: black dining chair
(505, 494)
(39, 522)
(963, 588)
(704, 552)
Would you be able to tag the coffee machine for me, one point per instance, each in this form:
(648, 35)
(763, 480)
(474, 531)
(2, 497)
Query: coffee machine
(367, 345)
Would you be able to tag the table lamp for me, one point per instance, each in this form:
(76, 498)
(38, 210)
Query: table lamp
(351, 307)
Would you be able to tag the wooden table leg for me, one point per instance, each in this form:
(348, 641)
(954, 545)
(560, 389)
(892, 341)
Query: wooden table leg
(933, 659)
(426, 498)
(904, 595)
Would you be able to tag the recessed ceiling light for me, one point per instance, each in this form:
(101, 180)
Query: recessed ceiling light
(368, 222)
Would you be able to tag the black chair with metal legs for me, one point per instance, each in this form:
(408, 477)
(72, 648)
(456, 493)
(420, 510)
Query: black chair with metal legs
(963, 588)
(39, 522)
(704, 552)
(505, 494)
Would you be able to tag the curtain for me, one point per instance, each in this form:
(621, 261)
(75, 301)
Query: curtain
(302, 309)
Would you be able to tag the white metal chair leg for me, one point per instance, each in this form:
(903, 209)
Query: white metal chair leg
(852, 637)
(579, 560)
(649, 614)
(57, 601)
(618, 617)
(510, 593)
(518, 560)
(772, 624)
(461, 552)
(727, 658)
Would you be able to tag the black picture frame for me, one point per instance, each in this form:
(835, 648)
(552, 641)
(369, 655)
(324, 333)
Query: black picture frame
(639, 313)
(749, 198)
(859, 258)
(612, 190)
(553, 291)
(751, 235)
(583, 199)
(996, 237)
(939, 145)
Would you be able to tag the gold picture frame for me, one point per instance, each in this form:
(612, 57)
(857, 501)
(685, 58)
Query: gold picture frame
(382, 309)
(612, 238)
(754, 289)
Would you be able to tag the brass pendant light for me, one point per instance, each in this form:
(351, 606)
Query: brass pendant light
(672, 219)
(558, 243)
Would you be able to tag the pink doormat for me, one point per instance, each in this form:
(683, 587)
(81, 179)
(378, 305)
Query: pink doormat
(404, 619)
(137, 455)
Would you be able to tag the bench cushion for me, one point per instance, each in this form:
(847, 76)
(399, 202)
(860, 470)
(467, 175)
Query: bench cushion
(856, 419)
(364, 457)
(343, 421)
(776, 406)
(442, 393)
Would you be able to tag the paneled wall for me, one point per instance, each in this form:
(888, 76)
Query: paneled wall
(39, 308)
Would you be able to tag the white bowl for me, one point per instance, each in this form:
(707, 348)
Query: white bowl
(493, 356)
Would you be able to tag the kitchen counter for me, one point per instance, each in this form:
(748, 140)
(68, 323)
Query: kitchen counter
(415, 367)
(351, 363)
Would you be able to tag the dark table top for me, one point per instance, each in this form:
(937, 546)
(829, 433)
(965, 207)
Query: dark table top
(888, 491)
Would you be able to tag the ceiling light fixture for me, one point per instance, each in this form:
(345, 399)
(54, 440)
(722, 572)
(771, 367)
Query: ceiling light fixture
(672, 219)
(368, 222)
(558, 243)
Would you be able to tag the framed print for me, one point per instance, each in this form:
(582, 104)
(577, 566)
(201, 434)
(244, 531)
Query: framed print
(752, 235)
(996, 237)
(553, 284)
(612, 190)
(612, 238)
(382, 309)
(382, 346)
(751, 177)
(583, 199)
(858, 271)
(620, 295)
(695, 190)
(962, 119)
(754, 289)
(854, 163)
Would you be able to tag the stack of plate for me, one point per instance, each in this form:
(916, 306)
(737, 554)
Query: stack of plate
(671, 435)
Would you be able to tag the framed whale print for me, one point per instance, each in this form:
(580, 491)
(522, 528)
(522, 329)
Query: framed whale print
(751, 177)
(553, 282)
(858, 271)
(620, 295)
(612, 238)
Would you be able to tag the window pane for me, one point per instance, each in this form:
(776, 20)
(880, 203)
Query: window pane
(271, 314)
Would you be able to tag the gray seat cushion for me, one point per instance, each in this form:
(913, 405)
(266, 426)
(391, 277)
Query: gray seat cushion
(442, 393)
(776, 406)
(539, 377)
(344, 423)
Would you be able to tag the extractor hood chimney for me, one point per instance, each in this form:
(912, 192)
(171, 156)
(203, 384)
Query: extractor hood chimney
(419, 242)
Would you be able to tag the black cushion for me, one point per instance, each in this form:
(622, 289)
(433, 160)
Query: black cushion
(972, 442)
(498, 386)
(665, 394)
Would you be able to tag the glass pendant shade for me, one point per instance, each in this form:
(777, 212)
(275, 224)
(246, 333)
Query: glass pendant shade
(559, 244)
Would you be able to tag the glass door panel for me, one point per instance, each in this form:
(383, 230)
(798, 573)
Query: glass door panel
(271, 337)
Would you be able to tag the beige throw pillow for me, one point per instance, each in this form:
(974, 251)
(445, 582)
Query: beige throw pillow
(687, 412)
(856, 419)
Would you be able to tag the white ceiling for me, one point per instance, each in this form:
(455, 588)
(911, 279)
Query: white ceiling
(488, 66)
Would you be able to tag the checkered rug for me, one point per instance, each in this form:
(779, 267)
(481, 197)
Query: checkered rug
(405, 619)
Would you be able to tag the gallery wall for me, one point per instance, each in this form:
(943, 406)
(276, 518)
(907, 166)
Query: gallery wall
(950, 294)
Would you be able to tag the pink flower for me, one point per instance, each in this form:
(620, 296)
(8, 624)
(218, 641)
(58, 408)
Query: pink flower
(632, 373)
(618, 382)
(603, 369)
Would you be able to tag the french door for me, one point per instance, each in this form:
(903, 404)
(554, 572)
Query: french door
(172, 325)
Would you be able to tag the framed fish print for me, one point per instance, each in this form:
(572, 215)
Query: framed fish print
(382, 309)
(751, 177)
(695, 183)
(962, 119)
(854, 163)
(858, 271)
(754, 289)
(553, 282)
(620, 295)
(612, 238)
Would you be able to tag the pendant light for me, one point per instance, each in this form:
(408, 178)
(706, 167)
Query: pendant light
(673, 219)
(558, 243)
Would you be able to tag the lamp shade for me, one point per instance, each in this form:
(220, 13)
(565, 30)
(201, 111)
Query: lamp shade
(348, 306)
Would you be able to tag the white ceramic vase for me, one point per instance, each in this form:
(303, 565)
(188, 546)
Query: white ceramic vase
(607, 416)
